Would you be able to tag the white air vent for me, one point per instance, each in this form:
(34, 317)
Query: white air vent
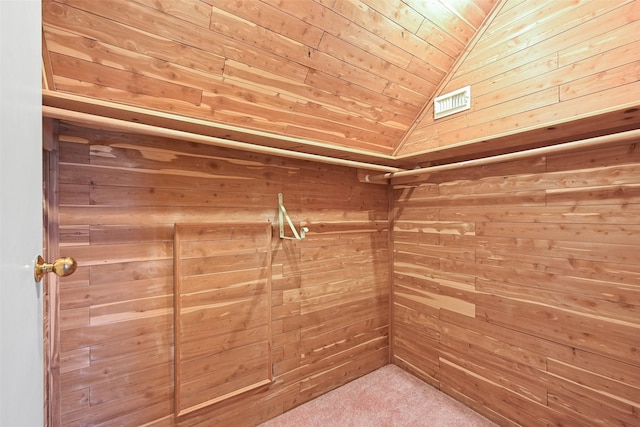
(452, 102)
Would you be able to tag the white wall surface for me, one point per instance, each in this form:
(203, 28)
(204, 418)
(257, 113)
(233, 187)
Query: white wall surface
(21, 349)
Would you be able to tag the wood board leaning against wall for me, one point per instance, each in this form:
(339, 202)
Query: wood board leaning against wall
(119, 198)
(516, 286)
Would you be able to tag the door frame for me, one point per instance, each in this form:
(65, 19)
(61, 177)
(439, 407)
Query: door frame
(51, 289)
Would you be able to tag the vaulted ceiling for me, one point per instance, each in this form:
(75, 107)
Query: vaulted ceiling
(349, 79)
(353, 74)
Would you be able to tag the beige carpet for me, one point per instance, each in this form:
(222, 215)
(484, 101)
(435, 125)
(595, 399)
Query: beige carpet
(387, 397)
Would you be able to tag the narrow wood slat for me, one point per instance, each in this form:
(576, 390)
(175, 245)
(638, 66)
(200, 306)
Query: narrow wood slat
(520, 378)
(613, 389)
(591, 406)
(102, 371)
(617, 234)
(486, 393)
(577, 330)
(116, 33)
(85, 71)
(70, 44)
(588, 214)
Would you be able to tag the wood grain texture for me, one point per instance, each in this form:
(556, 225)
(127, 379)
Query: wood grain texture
(578, 59)
(544, 255)
(120, 196)
(352, 79)
(350, 74)
(222, 312)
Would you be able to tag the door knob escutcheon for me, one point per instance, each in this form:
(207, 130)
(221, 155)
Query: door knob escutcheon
(60, 267)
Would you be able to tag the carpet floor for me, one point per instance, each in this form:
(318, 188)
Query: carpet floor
(387, 397)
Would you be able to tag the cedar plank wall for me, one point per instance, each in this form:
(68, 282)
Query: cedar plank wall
(120, 196)
(558, 61)
(517, 287)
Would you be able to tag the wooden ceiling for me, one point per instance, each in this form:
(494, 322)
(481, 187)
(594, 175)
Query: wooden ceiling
(347, 79)
(350, 75)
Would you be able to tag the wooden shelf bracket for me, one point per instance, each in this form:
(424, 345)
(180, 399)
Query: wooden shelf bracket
(282, 215)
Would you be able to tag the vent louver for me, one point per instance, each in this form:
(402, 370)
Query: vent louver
(452, 102)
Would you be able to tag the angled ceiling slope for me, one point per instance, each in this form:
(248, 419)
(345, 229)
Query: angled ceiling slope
(351, 74)
(350, 79)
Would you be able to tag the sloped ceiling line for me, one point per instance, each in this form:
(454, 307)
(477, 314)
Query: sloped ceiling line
(351, 79)
(349, 73)
(428, 106)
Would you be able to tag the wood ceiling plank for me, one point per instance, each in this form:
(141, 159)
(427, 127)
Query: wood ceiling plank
(426, 114)
(147, 19)
(343, 27)
(111, 33)
(617, 38)
(486, 5)
(344, 116)
(154, 104)
(274, 19)
(371, 42)
(371, 73)
(427, 72)
(436, 36)
(336, 126)
(397, 12)
(359, 58)
(262, 80)
(612, 78)
(378, 104)
(97, 74)
(469, 12)
(83, 48)
(497, 86)
(240, 29)
(601, 81)
(401, 92)
(320, 135)
(491, 115)
(513, 10)
(554, 22)
(440, 15)
(349, 103)
(264, 97)
(605, 63)
(182, 34)
(315, 13)
(193, 11)
(387, 138)
(329, 64)
(583, 118)
(378, 24)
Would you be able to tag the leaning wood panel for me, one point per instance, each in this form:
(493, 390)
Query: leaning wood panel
(329, 298)
(221, 307)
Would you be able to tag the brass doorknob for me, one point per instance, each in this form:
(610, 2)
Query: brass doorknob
(60, 267)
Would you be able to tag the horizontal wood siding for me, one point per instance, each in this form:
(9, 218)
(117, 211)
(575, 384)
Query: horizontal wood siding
(517, 287)
(222, 312)
(120, 196)
(539, 64)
